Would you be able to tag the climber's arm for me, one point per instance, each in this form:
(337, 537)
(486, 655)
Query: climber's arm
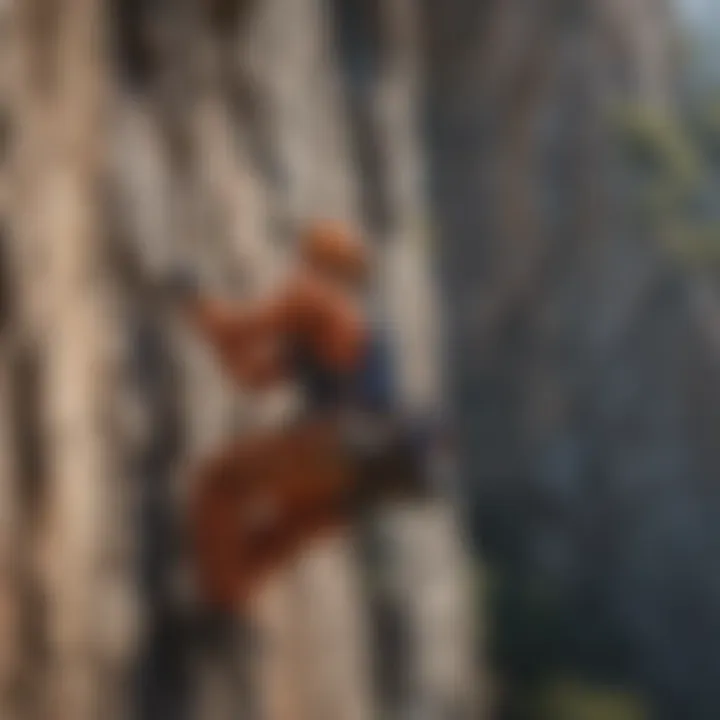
(252, 341)
(246, 340)
(226, 327)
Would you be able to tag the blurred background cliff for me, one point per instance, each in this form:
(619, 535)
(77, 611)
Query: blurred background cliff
(539, 179)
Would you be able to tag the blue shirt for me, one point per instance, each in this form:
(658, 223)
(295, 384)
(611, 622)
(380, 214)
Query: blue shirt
(371, 387)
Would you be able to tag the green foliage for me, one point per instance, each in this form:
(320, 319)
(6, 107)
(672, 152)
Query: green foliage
(707, 123)
(676, 164)
(568, 699)
(695, 244)
(657, 143)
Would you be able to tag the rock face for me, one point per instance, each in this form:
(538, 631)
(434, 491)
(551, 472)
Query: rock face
(585, 357)
(146, 135)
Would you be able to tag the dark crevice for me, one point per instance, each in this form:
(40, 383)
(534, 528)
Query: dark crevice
(27, 413)
(5, 282)
(226, 16)
(5, 135)
(360, 47)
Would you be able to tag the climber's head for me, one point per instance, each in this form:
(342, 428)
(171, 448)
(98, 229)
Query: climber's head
(331, 249)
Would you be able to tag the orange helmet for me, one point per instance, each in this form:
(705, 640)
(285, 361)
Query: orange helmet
(332, 248)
